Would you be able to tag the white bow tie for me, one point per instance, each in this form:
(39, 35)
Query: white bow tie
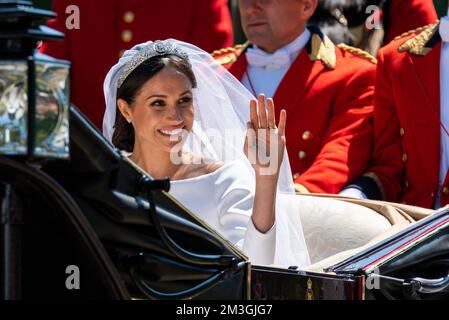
(277, 60)
(444, 29)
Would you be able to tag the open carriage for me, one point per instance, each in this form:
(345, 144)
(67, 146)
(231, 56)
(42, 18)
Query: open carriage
(131, 239)
(127, 237)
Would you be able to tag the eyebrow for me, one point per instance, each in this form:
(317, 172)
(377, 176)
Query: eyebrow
(164, 96)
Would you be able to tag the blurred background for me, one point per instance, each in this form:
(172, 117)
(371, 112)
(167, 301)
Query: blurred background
(440, 6)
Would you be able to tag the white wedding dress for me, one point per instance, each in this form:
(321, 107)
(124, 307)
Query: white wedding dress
(224, 199)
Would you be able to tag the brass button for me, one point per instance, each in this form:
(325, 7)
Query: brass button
(128, 17)
(296, 176)
(302, 155)
(402, 132)
(432, 195)
(307, 135)
(127, 36)
(404, 157)
(445, 191)
(407, 184)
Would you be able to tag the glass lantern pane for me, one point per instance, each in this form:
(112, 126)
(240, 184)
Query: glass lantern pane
(52, 109)
(13, 107)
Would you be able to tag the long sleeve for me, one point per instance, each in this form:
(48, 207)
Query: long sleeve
(387, 169)
(234, 199)
(346, 145)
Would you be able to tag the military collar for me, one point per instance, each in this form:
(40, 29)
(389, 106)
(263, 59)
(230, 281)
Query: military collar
(422, 43)
(319, 47)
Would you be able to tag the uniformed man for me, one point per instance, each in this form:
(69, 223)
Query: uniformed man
(326, 89)
(411, 119)
(108, 27)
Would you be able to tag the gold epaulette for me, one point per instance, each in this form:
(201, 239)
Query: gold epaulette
(417, 30)
(230, 54)
(418, 44)
(357, 52)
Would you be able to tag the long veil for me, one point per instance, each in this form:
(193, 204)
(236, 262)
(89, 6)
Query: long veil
(221, 105)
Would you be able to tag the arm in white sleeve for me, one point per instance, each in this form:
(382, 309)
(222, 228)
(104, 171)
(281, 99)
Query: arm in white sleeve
(235, 199)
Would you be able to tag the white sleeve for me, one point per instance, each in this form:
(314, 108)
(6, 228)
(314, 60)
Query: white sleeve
(353, 193)
(235, 200)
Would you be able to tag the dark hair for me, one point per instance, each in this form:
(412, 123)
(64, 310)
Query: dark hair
(123, 137)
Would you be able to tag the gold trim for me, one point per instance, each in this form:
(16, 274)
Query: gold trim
(417, 30)
(378, 182)
(301, 189)
(324, 50)
(309, 292)
(358, 52)
(230, 54)
(417, 44)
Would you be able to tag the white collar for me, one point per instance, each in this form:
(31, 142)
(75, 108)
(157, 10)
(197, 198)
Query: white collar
(282, 57)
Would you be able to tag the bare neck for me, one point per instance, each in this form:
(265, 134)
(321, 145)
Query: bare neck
(157, 163)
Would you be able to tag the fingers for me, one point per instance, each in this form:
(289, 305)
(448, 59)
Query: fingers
(263, 122)
(282, 122)
(253, 114)
(271, 115)
(249, 147)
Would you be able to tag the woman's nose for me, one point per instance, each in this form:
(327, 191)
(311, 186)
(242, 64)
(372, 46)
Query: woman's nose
(175, 114)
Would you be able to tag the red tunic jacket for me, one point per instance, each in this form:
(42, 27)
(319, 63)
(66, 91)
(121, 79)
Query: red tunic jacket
(406, 157)
(407, 15)
(107, 27)
(329, 111)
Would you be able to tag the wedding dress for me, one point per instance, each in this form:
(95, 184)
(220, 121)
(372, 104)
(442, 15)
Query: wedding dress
(224, 198)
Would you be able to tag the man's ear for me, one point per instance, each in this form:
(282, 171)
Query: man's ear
(125, 109)
(309, 8)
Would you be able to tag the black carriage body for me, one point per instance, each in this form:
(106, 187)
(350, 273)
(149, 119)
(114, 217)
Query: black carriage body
(94, 212)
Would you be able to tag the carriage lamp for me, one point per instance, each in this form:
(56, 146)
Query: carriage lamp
(34, 88)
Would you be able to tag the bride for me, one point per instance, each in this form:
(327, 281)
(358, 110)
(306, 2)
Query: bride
(179, 114)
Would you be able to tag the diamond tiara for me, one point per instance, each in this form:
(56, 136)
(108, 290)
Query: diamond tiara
(157, 48)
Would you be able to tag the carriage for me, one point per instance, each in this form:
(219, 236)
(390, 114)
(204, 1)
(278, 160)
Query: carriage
(131, 239)
(100, 216)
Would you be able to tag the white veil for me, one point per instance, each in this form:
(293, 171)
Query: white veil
(221, 105)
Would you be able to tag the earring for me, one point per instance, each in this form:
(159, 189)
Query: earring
(129, 120)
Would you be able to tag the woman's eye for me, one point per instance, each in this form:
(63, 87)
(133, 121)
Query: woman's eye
(185, 100)
(158, 103)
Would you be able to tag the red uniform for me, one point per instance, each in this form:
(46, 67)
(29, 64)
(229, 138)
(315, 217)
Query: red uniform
(328, 95)
(404, 15)
(406, 156)
(107, 27)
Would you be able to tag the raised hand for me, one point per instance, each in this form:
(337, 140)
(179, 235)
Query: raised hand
(265, 142)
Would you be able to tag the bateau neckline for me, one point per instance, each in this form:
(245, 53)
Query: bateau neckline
(203, 176)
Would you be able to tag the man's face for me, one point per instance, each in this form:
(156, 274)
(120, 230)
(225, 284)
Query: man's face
(271, 24)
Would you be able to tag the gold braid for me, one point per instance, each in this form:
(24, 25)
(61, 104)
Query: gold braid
(417, 30)
(357, 52)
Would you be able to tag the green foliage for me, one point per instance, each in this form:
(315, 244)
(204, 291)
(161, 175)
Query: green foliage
(441, 6)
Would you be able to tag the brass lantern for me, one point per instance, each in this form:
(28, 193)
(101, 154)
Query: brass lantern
(34, 88)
